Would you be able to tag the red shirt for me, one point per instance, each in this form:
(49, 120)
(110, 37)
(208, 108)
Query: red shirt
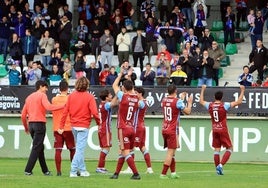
(105, 114)
(127, 110)
(218, 116)
(34, 109)
(81, 106)
(171, 107)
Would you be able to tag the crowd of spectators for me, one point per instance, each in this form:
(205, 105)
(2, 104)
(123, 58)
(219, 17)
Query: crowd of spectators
(188, 49)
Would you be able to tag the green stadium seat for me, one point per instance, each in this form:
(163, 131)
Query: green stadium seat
(3, 71)
(214, 34)
(220, 73)
(217, 25)
(220, 39)
(2, 59)
(243, 26)
(231, 49)
(225, 61)
(194, 83)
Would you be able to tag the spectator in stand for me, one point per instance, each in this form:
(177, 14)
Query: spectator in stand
(189, 49)
(67, 12)
(86, 12)
(265, 82)
(164, 7)
(223, 8)
(148, 8)
(37, 29)
(166, 53)
(171, 39)
(67, 68)
(138, 48)
(200, 23)
(33, 74)
(205, 73)
(79, 64)
(96, 30)
(46, 43)
(104, 74)
(116, 13)
(186, 8)
(162, 70)
(229, 26)
(265, 12)
(14, 75)
(19, 25)
(246, 78)
(174, 61)
(57, 61)
(127, 11)
(15, 49)
(178, 77)
(106, 44)
(241, 8)
(123, 42)
(187, 63)
(138, 8)
(5, 34)
(65, 34)
(150, 26)
(55, 76)
(29, 46)
(217, 54)
(28, 14)
(251, 21)
(258, 31)
(104, 5)
(82, 31)
(53, 27)
(258, 83)
(93, 72)
(206, 40)
(5, 7)
(45, 16)
(258, 59)
(197, 55)
(111, 77)
(55, 50)
(177, 18)
(148, 75)
(191, 38)
(116, 29)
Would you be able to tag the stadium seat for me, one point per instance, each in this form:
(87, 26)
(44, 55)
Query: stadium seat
(231, 49)
(194, 83)
(153, 60)
(225, 61)
(3, 71)
(89, 59)
(217, 25)
(214, 34)
(220, 75)
(243, 26)
(2, 59)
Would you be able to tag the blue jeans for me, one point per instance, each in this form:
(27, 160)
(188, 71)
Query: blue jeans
(45, 61)
(254, 39)
(78, 162)
(187, 12)
(204, 80)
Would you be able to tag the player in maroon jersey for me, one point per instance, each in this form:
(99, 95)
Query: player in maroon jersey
(172, 106)
(127, 111)
(104, 130)
(140, 134)
(220, 134)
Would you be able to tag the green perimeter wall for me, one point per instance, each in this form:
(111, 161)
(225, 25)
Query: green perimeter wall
(249, 137)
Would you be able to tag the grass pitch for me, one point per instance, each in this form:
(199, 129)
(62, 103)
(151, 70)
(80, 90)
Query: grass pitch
(201, 175)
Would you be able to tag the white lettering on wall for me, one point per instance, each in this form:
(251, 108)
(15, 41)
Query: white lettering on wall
(250, 136)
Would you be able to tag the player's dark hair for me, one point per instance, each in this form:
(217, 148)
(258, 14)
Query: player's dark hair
(40, 83)
(140, 90)
(171, 89)
(63, 86)
(104, 94)
(218, 95)
(128, 85)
